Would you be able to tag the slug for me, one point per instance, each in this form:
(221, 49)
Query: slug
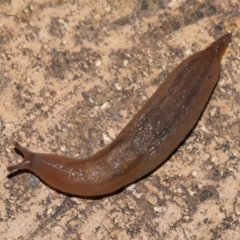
(148, 139)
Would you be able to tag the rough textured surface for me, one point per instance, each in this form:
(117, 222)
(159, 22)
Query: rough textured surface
(73, 73)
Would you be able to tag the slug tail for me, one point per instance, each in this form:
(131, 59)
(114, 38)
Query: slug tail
(27, 160)
(218, 47)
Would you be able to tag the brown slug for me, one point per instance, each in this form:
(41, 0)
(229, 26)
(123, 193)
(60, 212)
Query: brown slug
(148, 139)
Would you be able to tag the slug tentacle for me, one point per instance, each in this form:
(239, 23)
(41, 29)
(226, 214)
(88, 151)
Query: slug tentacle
(148, 139)
(27, 160)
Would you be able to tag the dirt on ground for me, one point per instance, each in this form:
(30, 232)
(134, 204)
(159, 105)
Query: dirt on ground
(73, 74)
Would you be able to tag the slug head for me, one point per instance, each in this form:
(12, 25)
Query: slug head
(27, 160)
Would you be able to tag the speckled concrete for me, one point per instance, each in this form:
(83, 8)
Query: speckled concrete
(73, 73)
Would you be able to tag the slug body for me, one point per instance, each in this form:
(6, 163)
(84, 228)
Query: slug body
(147, 140)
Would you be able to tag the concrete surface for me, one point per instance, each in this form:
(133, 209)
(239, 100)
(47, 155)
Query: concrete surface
(73, 73)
